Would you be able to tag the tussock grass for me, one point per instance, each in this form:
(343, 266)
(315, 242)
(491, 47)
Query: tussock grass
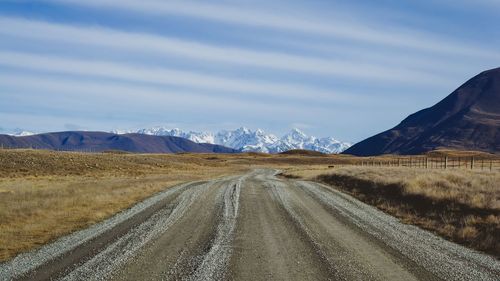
(476, 189)
(461, 205)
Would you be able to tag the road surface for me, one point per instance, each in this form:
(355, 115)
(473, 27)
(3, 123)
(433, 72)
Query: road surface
(252, 227)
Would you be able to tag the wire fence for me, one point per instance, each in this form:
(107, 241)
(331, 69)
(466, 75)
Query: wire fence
(470, 162)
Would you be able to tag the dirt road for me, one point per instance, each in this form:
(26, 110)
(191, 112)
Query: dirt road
(252, 227)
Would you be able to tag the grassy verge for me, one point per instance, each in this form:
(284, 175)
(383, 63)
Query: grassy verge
(462, 206)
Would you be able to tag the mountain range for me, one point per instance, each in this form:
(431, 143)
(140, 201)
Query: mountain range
(467, 119)
(246, 140)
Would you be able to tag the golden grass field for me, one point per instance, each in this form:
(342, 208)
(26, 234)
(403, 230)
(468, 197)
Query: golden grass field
(44, 194)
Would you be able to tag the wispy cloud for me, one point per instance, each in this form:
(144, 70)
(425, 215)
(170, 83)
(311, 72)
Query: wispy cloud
(171, 77)
(114, 95)
(336, 26)
(97, 36)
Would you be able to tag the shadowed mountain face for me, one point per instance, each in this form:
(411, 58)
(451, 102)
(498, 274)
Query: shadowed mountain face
(468, 119)
(100, 141)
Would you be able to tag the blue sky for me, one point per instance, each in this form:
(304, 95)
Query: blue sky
(347, 69)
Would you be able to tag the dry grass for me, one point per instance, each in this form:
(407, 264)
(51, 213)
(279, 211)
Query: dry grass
(461, 153)
(476, 189)
(461, 205)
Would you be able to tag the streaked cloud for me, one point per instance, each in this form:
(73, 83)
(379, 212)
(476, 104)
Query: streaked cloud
(163, 76)
(336, 26)
(96, 36)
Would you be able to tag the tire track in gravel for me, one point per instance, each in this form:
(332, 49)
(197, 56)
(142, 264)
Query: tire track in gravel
(127, 246)
(267, 246)
(215, 262)
(198, 246)
(353, 256)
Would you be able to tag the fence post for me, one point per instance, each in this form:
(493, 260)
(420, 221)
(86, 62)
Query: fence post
(445, 162)
(491, 164)
(472, 163)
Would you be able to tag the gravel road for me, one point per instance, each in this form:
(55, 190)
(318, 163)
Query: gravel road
(251, 227)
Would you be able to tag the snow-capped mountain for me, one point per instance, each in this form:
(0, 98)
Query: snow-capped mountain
(247, 140)
(193, 136)
(297, 139)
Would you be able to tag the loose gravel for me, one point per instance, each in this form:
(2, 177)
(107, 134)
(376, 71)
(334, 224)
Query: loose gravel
(215, 262)
(341, 271)
(115, 255)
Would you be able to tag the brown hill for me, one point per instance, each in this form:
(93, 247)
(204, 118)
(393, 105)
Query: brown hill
(467, 119)
(100, 141)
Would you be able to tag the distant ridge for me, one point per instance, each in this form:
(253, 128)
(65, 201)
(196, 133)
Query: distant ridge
(467, 119)
(303, 152)
(100, 141)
